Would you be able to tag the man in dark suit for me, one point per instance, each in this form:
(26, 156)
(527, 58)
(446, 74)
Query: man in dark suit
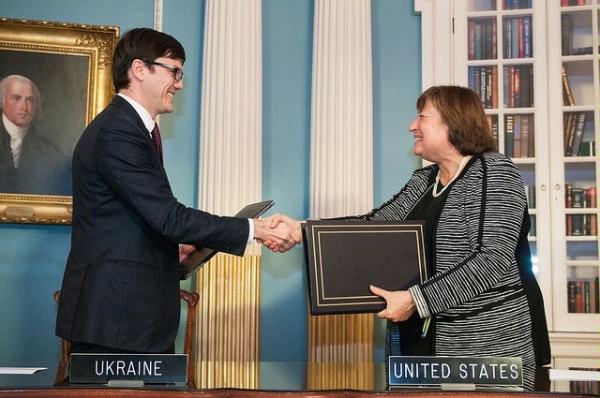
(120, 291)
(29, 162)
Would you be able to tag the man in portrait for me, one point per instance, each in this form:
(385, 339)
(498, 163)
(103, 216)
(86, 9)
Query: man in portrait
(29, 162)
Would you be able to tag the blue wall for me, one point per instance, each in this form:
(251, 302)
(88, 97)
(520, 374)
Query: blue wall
(32, 257)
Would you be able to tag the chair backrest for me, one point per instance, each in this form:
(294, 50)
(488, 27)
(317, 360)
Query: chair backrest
(191, 299)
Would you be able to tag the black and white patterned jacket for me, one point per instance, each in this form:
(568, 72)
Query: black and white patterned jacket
(483, 288)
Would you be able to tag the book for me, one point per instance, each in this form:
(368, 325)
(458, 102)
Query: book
(517, 137)
(578, 225)
(568, 99)
(578, 134)
(344, 258)
(509, 135)
(494, 87)
(527, 35)
(508, 39)
(587, 148)
(525, 136)
(493, 123)
(478, 40)
(527, 86)
(515, 37)
(566, 34)
(593, 218)
(570, 119)
(531, 144)
(583, 295)
(471, 39)
(582, 51)
(516, 92)
(568, 205)
(575, 298)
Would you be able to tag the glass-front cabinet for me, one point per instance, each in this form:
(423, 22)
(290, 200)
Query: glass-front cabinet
(499, 51)
(574, 99)
(536, 67)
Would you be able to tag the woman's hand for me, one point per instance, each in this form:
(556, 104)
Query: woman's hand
(400, 304)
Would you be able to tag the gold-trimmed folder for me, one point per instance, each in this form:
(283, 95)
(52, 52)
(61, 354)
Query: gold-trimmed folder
(344, 257)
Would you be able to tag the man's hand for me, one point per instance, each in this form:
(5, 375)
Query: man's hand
(184, 251)
(278, 236)
(400, 304)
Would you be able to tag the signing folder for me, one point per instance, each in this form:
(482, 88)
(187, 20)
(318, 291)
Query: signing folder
(344, 257)
(195, 260)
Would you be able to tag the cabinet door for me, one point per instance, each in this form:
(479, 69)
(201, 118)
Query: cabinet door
(574, 99)
(500, 52)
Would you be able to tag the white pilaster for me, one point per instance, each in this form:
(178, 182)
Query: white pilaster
(341, 178)
(231, 106)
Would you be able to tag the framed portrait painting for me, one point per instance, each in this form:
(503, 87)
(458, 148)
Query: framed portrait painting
(54, 79)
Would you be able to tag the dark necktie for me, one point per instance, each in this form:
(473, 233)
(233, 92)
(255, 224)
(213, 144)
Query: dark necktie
(157, 141)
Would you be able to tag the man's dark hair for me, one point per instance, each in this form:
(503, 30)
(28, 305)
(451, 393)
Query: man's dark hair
(144, 44)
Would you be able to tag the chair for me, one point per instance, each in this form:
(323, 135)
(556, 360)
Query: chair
(191, 299)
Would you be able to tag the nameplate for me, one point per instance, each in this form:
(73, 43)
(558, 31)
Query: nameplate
(145, 368)
(441, 371)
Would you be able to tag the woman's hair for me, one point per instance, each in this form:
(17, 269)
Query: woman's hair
(144, 44)
(461, 110)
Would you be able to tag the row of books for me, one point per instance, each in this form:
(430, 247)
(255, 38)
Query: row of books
(585, 387)
(517, 85)
(582, 296)
(574, 124)
(565, 3)
(567, 32)
(482, 39)
(517, 37)
(574, 132)
(484, 81)
(530, 194)
(516, 4)
(582, 224)
(581, 198)
(519, 136)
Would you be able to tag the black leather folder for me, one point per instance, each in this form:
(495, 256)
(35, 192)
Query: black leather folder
(344, 257)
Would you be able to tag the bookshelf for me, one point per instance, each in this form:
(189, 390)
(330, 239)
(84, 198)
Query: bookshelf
(540, 90)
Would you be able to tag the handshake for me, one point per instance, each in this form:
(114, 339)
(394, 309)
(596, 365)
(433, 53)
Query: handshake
(279, 233)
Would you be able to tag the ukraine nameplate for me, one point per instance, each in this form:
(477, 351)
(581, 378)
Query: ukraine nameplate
(438, 371)
(146, 368)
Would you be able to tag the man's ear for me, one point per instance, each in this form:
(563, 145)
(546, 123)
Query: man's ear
(138, 69)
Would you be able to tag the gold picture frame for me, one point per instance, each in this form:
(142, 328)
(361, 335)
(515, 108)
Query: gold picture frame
(73, 63)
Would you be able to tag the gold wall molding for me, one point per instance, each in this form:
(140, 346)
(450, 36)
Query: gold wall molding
(228, 322)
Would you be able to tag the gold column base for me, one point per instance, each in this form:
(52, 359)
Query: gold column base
(227, 342)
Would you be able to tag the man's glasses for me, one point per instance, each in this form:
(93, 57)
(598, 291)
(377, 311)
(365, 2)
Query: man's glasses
(177, 72)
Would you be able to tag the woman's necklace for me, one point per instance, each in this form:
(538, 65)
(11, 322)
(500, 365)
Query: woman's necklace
(434, 191)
